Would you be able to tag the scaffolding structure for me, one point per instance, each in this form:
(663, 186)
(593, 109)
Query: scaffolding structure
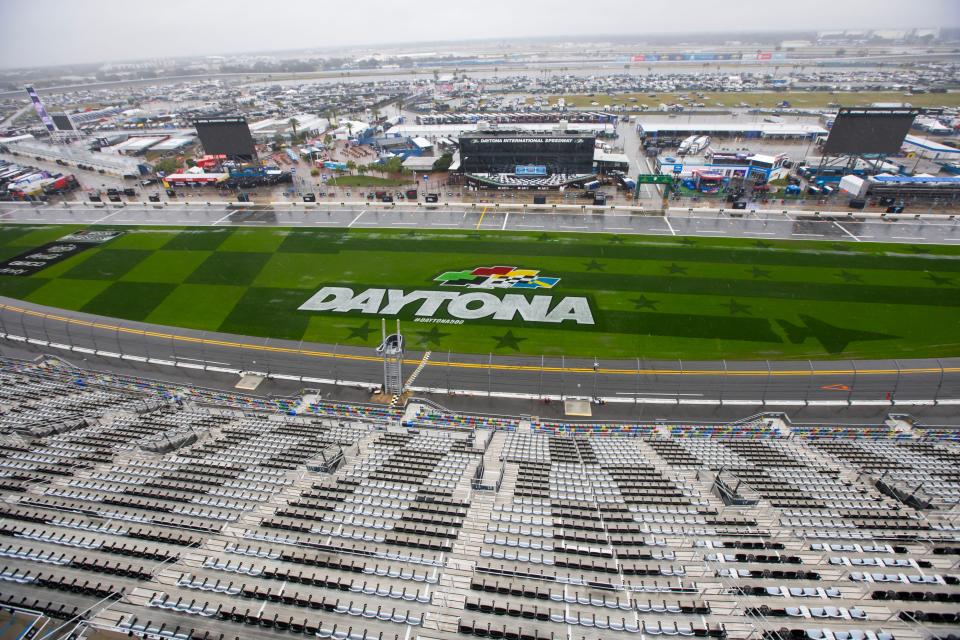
(392, 351)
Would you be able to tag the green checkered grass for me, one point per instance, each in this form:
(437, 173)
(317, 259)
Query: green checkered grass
(106, 264)
(166, 266)
(196, 306)
(268, 312)
(652, 297)
(128, 300)
(198, 239)
(229, 268)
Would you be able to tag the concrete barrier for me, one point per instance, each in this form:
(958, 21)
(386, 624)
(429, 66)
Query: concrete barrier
(836, 214)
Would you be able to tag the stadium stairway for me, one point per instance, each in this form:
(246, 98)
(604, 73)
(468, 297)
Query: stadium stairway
(492, 465)
(454, 585)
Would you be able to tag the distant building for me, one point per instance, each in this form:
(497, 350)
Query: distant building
(266, 130)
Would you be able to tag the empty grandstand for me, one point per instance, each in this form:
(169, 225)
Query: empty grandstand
(921, 186)
(75, 155)
(511, 181)
(516, 117)
(165, 510)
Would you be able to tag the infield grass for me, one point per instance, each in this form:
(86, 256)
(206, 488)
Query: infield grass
(652, 297)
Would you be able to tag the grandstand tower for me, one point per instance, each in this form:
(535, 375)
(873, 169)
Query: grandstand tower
(59, 126)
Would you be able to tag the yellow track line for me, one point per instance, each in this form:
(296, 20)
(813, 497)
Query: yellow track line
(479, 365)
(480, 222)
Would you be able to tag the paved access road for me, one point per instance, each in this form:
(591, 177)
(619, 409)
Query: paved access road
(779, 384)
(703, 223)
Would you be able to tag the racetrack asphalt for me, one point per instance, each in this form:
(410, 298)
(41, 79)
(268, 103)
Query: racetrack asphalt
(730, 383)
(760, 224)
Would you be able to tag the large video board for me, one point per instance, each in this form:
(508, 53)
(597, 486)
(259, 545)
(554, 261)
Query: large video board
(503, 153)
(869, 131)
(229, 136)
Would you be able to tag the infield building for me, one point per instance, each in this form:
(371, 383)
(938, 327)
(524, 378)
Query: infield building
(515, 160)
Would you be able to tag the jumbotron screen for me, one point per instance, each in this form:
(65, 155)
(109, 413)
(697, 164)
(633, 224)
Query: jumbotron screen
(229, 136)
(864, 131)
(505, 152)
(62, 122)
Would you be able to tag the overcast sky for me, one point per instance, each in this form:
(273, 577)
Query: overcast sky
(60, 31)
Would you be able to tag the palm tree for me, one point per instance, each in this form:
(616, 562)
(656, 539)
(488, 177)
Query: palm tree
(294, 123)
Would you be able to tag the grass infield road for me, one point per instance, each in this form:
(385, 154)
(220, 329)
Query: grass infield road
(651, 297)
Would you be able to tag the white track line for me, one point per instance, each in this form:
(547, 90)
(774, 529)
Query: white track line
(354, 221)
(670, 226)
(99, 220)
(222, 219)
(844, 229)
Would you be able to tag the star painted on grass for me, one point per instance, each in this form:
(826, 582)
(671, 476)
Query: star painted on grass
(362, 332)
(760, 273)
(841, 246)
(916, 248)
(849, 276)
(939, 280)
(674, 268)
(412, 233)
(616, 239)
(593, 265)
(735, 307)
(762, 244)
(543, 237)
(508, 341)
(687, 241)
(431, 337)
(643, 302)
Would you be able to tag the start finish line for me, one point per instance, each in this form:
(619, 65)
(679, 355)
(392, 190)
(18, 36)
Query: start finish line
(463, 306)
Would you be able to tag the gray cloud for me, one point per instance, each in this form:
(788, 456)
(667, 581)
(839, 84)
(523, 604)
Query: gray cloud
(62, 31)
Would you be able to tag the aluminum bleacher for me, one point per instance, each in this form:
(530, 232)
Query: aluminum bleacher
(156, 510)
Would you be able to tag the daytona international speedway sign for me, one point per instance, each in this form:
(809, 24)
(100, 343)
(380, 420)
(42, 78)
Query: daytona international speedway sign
(478, 305)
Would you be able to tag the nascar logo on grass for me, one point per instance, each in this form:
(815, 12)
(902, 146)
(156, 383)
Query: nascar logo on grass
(497, 278)
(463, 306)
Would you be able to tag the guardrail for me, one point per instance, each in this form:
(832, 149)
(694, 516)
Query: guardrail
(172, 360)
(810, 214)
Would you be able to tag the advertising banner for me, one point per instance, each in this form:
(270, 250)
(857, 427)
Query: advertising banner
(34, 260)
